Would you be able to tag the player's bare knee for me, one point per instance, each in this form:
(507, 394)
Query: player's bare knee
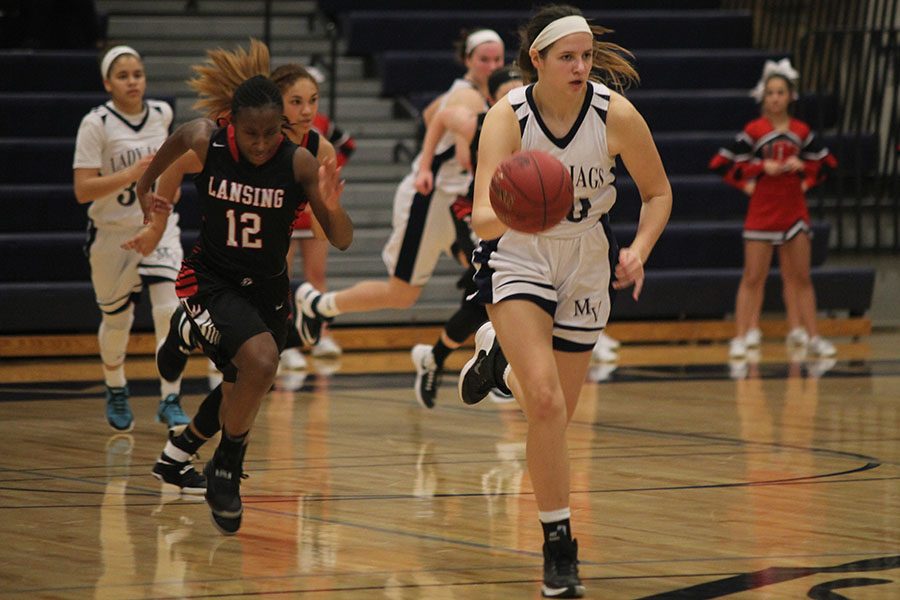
(546, 404)
(258, 357)
(404, 295)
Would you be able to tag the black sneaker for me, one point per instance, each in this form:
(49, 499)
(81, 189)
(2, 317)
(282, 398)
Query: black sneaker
(428, 374)
(223, 490)
(309, 321)
(476, 379)
(561, 570)
(172, 355)
(181, 474)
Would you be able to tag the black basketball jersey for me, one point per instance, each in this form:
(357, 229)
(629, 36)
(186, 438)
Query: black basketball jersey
(247, 210)
(310, 141)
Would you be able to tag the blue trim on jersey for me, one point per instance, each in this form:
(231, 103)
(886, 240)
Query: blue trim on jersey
(545, 286)
(548, 306)
(415, 224)
(134, 128)
(564, 141)
(562, 345)
(483, 273)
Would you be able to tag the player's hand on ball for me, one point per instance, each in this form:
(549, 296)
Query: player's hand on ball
(629, 271)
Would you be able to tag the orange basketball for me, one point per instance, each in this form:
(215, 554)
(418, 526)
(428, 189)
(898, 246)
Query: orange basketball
(531, 191)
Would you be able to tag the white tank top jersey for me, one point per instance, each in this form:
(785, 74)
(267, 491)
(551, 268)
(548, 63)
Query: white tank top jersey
(583, 150)
(109, 141)
(449, 176)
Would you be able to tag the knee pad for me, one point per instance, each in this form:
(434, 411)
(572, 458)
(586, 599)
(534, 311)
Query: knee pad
(206, 421)
(113, 335)
(465, 321)
(164, 302)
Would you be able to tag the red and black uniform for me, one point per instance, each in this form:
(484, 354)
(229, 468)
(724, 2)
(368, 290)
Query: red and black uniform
(302, 226)
(777, 210)
(344, 145)
(234, 285)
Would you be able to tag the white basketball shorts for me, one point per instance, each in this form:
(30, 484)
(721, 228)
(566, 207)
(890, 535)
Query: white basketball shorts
(569, 278)
(422, 229)
(118, 275)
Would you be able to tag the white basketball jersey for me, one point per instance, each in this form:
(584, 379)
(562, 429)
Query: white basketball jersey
(449, 176)
(109, 141)
(583, 151)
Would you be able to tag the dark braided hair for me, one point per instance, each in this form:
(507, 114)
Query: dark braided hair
(257, 92)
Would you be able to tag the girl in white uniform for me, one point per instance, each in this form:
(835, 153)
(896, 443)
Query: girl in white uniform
(422, 224)
(115, 143)
(548, 294)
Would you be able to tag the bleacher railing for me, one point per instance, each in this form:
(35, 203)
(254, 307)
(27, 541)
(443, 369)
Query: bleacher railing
(850, 52)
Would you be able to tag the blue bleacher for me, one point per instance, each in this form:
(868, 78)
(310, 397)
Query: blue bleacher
(438, 30)
(407, 71)
(696, 66)
(50, 71)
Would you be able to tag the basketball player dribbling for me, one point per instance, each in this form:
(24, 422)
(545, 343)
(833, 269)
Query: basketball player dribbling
(234, 285)
(422, 224)
(547, 294)
(115, 143)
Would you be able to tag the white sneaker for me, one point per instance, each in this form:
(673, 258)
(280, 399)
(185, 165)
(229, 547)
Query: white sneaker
(603, 352)
(213, 375)
(738, 368)
(753, 338)
(817, 368)
(290, 381)
(601, 372)
(737, 348)
(797, 337)
(292, 360)
(608, 341)
(326, 348)
(819, 346)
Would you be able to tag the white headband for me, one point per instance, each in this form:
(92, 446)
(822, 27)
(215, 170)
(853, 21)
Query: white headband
(112, 55)
(782, 68)
(560, 28)
(480, 37)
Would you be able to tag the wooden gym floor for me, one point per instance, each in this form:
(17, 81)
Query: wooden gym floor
(691, 478)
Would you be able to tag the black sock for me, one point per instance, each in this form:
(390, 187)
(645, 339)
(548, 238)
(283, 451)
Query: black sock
(187, 441)
(232, 445)
(557, 531)
(206, 421)
(440, 353)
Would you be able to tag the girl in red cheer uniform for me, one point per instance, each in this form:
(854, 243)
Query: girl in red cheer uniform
(775, 160)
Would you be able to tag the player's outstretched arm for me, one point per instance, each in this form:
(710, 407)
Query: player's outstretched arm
(193, 135)
(168, 186)
(323, 188)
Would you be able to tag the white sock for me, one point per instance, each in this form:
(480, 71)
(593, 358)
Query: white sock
(327, 305)
(115, 377)
(169, 387)
(176, 453)
(552, 516)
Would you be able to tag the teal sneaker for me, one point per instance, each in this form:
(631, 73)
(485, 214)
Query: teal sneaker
(170, 413)
(118, 412)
